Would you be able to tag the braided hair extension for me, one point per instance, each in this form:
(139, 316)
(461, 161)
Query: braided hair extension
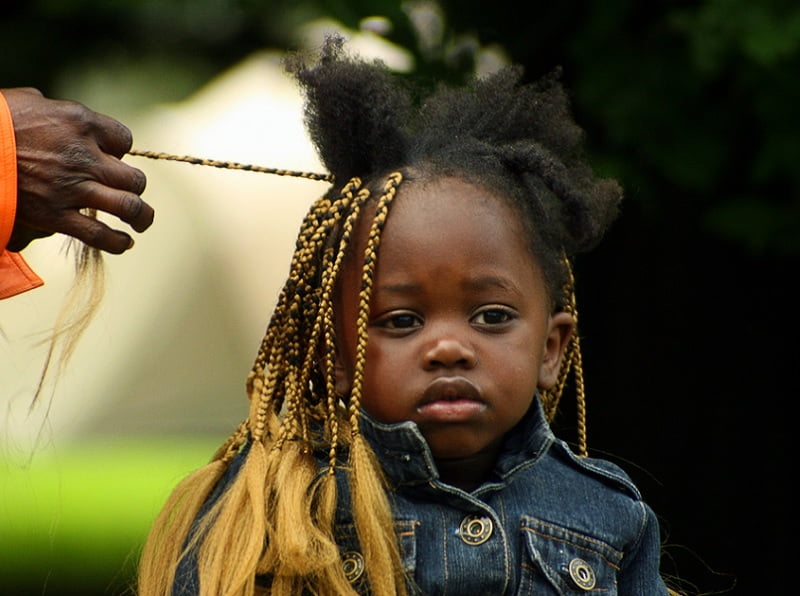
(278, 513)
(572, 362)
(293, 410)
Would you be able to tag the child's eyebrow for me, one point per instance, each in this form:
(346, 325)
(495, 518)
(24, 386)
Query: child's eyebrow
(399, 288)
(479, 282)
(482, 282)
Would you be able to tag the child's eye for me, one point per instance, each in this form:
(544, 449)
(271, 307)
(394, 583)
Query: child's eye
(493, 316)
(402, 320)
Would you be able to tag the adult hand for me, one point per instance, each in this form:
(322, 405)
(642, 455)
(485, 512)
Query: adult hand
(68, 160)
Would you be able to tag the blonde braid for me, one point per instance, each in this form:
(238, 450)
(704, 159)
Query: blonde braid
(284, 338)
(301, 552)
(371, 508)
(266, 398)
(278, 513)
(580, 396)
(572, 361)
(310, 222)
(230, 165)
(226, 452)
(362, 322)
(330, 363)
(322, 312)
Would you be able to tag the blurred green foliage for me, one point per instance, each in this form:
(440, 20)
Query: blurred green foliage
(691, 104)
(72, 520)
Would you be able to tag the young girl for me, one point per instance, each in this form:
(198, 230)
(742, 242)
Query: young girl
(397, 440)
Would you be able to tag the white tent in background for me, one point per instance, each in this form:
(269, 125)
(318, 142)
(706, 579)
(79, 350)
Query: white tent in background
(185, 310)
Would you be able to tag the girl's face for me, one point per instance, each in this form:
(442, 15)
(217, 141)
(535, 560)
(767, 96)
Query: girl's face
(460, 328)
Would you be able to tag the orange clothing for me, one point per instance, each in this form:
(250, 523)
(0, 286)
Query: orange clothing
(15, 274)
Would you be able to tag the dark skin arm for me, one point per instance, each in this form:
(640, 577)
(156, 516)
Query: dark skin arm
(68, 159)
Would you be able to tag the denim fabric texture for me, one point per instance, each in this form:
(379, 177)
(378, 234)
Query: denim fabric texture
(546, 522)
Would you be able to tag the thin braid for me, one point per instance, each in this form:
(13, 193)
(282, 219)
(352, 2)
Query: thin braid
(572, 362)
(226, 452)
(297, 519)
(293, 391)
(580, 396)
(362, 321)
(286, 336)
(333, 399)
(280, 312)
(230, 165)
(321, 311)
(552, 396)
(264, 391)
(288, 350)
(371, 508)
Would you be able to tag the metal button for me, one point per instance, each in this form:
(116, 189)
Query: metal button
(582, 574)
(475, 529)
(352, 565)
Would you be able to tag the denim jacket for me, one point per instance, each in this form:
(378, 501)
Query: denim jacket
(546, 522)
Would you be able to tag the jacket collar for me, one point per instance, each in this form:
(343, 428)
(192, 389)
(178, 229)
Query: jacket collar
(407, 460)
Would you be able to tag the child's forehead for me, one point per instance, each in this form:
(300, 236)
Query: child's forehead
(447, 214)
(454, 198)
(437, 203)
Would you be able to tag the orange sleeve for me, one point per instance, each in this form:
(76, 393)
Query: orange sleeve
(15, 275)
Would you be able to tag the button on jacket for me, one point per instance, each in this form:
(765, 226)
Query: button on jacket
(546, 522)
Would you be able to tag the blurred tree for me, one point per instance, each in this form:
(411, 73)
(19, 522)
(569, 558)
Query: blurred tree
(691, 104)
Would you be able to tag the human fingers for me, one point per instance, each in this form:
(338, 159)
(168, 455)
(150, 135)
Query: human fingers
(94, 232)
(127, 206)
(112, 136)
(117, 174)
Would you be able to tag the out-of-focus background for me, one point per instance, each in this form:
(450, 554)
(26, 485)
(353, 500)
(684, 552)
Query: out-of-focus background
(686, 308)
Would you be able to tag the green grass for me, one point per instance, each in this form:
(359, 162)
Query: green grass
(73, 519)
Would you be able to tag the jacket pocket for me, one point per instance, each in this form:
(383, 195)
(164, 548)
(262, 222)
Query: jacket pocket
(558, 560)
(353, 560)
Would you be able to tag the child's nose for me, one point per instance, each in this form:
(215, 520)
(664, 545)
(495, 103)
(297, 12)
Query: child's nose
(449, 352)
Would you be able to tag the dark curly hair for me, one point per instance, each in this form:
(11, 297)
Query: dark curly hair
(518, 140)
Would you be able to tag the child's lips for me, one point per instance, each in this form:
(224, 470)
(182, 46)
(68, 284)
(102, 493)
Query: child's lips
(451, 399)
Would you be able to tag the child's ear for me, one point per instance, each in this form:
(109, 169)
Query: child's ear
(561, 328)
(341, 377)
